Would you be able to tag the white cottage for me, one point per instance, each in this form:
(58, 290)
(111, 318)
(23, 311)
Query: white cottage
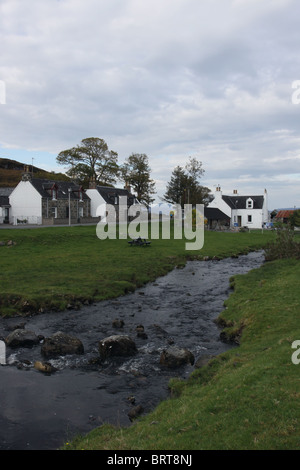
(118, 198)
(41, 201)
(243, 211)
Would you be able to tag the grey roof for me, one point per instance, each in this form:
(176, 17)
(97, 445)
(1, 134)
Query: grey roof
(212, 213)
(109, 194)
(240, 202)
(6, 191)
(44, 186)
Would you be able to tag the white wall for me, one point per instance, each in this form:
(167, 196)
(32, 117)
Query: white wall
(96, 201)
(218, 203)
(256, 214)
(26, 204)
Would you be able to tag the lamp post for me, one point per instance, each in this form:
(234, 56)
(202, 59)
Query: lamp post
(69, 190)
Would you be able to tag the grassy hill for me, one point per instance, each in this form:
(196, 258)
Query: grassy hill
(11, 172)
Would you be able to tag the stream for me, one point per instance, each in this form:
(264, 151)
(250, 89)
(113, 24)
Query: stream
(41, 412)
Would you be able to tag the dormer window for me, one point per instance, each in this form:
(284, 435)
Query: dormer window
(54, 193)
(249, 203)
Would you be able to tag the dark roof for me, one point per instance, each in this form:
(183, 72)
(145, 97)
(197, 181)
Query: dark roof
(212, 213)
(109, 194)
(4, 201)
(44, 186)
(284, 214)
(6, 191)
(240, 202)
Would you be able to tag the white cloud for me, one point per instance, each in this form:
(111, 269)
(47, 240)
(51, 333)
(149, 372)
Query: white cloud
(171, 78)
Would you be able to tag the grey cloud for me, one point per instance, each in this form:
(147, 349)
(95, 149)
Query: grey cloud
(170, 79)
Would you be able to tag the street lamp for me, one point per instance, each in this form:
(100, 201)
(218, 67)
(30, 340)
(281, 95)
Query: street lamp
(69, 190)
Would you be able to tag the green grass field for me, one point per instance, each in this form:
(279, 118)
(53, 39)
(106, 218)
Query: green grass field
(49, 268)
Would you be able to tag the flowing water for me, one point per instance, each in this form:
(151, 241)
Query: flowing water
(39, 411)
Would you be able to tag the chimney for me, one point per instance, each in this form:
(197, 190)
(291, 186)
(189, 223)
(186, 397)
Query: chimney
(26, 176)
(235, 191)
(218, 193)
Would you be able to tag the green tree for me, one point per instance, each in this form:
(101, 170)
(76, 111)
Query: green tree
(91, 159)
(136, 173)
(184, 186)
(294, 218)
(175, 192)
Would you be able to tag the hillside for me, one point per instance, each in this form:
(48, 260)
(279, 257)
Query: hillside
(11, 172)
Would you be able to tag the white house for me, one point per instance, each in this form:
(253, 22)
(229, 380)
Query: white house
(117, 198)
(243, 211)
(41, 201)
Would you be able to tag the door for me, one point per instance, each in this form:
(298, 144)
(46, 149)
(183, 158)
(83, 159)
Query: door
(6, 215)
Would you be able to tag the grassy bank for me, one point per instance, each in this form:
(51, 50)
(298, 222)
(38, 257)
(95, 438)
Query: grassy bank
(246, 398)
(50, 268)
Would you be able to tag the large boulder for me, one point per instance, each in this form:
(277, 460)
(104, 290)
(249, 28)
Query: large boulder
(175, 357)
(61, 344)
(116, 345)
(21, 338)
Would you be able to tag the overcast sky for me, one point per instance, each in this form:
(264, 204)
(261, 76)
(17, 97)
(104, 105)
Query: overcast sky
(211, 79)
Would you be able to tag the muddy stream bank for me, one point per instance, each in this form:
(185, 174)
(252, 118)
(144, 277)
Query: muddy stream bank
(40, 411)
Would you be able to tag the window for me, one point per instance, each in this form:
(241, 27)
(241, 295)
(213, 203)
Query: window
(249, 219)
(80, 212)
(54, 212)
(54, 193)
(249, 203)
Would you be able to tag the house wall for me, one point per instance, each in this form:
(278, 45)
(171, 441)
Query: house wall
(218, 203)
(25, 204)
(62, 208)
(256, 216)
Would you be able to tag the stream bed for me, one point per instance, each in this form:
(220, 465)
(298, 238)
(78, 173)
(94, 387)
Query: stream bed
(41, 412)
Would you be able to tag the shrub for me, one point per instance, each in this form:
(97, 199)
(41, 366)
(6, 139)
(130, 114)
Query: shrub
(284, 246)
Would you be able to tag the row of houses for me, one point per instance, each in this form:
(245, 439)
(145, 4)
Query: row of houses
(44, 202)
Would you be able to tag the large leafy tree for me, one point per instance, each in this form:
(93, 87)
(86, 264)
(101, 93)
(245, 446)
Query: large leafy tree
(184, 186)
(136, 173)
(91, 159)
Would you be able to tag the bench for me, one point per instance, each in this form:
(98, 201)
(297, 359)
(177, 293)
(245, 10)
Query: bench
(139, 242)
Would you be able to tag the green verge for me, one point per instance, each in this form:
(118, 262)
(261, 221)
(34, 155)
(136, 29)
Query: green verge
(247, 398)
(51, 268)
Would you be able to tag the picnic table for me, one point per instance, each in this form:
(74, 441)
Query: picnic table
(139, 242)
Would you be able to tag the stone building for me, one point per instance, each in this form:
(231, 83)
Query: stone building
(41, 201)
